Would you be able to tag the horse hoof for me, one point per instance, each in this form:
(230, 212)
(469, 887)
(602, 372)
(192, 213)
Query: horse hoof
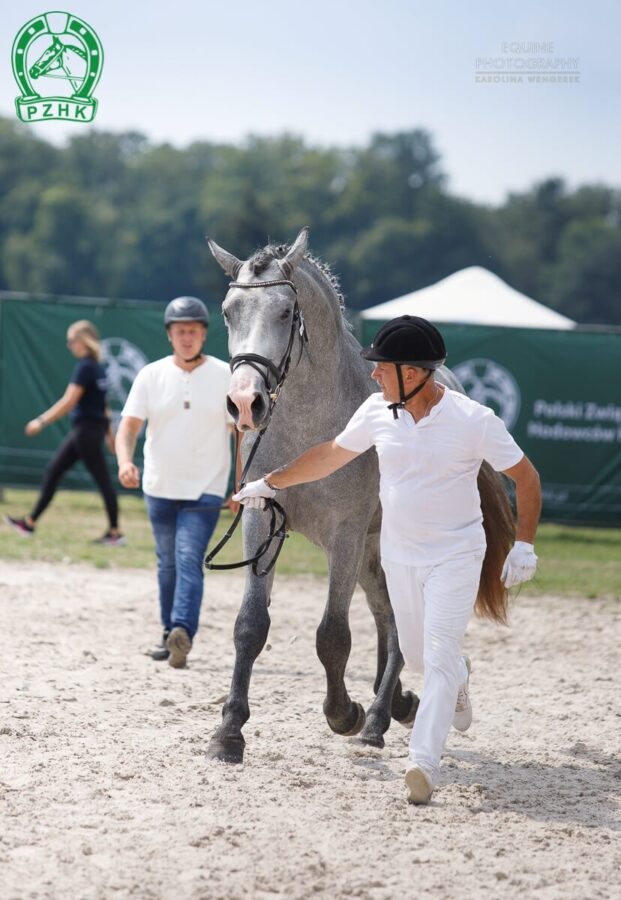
(353, 727)
(371, 739)
(405, 713)
(229, 750)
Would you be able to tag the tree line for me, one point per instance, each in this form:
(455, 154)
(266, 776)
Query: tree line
(114, 215)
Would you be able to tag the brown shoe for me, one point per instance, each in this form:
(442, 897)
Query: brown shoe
(179, 644)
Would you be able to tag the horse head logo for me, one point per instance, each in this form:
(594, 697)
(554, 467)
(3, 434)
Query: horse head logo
(491, 384)
(57, 46)
(123, 360)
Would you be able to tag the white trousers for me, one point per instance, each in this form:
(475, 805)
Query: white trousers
(432, 607)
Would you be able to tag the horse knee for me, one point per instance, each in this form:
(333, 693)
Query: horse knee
(251, 629)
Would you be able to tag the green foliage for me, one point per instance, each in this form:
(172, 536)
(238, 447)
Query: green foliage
(114, 215)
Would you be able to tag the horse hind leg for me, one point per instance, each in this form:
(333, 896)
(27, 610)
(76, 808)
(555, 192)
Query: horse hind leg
(344, 716)
(390, 700)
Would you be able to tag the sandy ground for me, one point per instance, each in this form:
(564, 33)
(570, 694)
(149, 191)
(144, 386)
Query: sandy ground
(105, 790)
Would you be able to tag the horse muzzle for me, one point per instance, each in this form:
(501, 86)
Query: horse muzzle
(249, 408)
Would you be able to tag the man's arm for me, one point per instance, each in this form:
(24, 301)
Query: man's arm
(125, 446)
(528, 499)
(316, 463)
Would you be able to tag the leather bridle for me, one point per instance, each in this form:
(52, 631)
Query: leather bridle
(278, 522)
(280, 371)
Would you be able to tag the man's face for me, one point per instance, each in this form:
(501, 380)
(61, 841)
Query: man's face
(187, 338)
(386, 376)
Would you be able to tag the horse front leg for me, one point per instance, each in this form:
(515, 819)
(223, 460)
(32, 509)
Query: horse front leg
(251, 629)
(389, 697)
(344, 716)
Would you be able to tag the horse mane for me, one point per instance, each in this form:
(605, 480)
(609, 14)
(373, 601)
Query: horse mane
(261, 259)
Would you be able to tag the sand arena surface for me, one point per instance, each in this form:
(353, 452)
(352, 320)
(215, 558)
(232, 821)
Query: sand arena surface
(105, 790)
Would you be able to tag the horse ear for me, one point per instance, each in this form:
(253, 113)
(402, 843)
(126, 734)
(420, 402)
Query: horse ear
(295, 254)
(226, 260)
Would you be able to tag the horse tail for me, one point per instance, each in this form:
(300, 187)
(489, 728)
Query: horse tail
(499, 524)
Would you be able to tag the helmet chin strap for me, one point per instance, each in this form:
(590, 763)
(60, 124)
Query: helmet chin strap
(404, 398)
(194, 358)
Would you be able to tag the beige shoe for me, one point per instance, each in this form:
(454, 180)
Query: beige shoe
(462, 718)
(419, 785)
(179, 645)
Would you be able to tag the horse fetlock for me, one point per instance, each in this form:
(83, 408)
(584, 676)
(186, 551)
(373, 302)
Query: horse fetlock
(235, 713)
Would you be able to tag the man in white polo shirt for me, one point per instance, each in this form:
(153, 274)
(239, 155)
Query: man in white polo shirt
(430, 443)
(186, 465)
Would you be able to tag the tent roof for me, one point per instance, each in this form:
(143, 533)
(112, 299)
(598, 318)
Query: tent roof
(472, 296)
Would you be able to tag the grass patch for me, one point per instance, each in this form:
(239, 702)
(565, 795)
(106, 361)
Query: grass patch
(74, 519)
(572, 561)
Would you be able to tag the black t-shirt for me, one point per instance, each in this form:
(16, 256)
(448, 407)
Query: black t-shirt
(92, 376)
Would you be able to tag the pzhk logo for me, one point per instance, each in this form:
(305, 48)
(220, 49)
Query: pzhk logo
(57, 45)
(124, 360)
(492, 385)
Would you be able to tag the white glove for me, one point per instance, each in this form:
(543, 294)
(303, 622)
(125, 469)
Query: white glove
(253, 494)
(520, 565)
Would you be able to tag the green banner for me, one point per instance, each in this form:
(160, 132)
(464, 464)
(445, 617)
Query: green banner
(35, 368)
(558, 393)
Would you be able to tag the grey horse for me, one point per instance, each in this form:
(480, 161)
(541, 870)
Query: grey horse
(326, 382)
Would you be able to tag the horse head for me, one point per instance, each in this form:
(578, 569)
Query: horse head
(50, 59)
(263, 320)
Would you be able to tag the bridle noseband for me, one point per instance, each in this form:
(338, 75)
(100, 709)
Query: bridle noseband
(278, 530)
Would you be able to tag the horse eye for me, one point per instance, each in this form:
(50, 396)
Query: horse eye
(285, 315)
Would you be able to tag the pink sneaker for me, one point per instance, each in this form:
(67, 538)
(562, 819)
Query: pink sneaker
(21, 526)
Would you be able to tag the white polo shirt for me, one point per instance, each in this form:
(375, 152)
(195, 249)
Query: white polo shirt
(431, 509)
(187, 446)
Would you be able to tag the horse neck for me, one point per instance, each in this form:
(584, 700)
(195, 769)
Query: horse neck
(322, 313)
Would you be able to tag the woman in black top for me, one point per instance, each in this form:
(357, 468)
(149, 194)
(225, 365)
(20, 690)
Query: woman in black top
(85, 402)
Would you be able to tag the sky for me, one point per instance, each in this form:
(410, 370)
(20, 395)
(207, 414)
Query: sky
(336, 71)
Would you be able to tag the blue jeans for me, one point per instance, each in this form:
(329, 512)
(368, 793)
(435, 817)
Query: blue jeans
(182, 529)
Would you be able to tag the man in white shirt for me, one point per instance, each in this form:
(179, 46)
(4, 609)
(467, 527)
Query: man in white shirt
(430, 443)
(186, 465)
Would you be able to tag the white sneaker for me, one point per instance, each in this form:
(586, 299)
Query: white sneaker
(463, 708)
(419, 785)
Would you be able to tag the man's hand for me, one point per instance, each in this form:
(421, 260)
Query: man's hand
(253, 494)
(129, 475)
(520, 565)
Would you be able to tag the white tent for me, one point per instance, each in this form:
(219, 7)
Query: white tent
(473, 296)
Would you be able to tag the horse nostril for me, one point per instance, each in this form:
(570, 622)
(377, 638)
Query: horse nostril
(232, 408)
(258, 407)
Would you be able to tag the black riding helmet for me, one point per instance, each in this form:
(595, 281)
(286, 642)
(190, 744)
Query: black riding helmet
(186, 309)
(407, 341)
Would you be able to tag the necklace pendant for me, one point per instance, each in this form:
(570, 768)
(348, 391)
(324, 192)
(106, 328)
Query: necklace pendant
(186, 404)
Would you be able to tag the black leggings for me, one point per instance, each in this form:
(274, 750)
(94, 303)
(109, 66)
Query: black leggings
(84, 442)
